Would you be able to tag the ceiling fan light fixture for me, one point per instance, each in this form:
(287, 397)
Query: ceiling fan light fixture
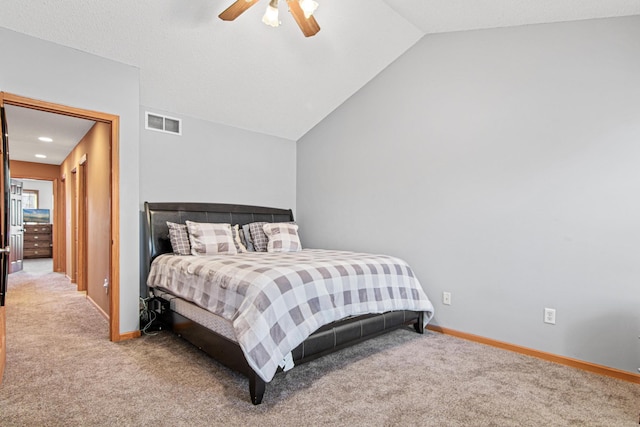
(271, 14)
(308, 7)
(303, 17)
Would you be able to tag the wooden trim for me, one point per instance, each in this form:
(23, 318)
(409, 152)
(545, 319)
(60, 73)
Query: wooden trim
(114, 287)
(59, 237)
(81, 227)
(128, 336)
(114, 121)
(562, 360)
(73, 196)
(34, 104)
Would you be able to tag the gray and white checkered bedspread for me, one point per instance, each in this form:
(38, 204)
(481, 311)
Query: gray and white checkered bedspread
(276, 300)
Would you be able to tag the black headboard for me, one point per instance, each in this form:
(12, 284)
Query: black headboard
(157, 215)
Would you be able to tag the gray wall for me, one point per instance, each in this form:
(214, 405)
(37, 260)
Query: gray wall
(504, 166)
(49, 72)
(213, 163)
(216, 163)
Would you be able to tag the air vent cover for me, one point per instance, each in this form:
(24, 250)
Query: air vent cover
(163, 123)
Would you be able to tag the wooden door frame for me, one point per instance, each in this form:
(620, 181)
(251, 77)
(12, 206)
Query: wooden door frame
(73, 274)
(81, 224)
(114, 121)
(60, 212)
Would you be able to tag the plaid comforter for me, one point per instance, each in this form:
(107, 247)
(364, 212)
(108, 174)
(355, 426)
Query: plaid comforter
(276, 300)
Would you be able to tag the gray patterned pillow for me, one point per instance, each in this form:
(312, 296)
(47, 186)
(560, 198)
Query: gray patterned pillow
(179, 238)
(247, 238)
(258, 237)
(283, 237)
(211, 238)
(235, 230)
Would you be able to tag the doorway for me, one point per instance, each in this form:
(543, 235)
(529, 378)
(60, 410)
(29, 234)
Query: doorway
(34, 215)
(79, 226)
(60, 230)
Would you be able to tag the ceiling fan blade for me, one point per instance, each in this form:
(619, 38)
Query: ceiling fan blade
(236, 9)
(309, 26)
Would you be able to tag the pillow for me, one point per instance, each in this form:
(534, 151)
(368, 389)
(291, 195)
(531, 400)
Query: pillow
(179, 238)
(235, 231)
(247, 238)
(258, 238)
(210, 238)
(241, 236)
(283, 237)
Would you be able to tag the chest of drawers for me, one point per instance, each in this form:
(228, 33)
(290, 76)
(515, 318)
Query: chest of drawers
(37, 241)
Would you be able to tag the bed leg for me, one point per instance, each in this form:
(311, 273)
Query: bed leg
(419, 325)
(256, 389)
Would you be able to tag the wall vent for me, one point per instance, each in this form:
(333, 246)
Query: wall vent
(163, 123)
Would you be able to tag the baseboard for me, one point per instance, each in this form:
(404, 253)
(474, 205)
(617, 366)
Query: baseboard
(562, 360)
(104, 314)
(117, 337)
(127, 336)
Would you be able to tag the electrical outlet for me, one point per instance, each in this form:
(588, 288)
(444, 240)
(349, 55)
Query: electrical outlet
(550, 316)
(446, 298)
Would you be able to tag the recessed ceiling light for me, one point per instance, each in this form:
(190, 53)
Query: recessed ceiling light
(41, 156)
(45, 139)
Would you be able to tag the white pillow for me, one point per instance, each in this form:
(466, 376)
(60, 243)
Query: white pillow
(283, 237)
(210, 238)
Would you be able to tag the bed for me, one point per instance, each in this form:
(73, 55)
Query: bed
(266, 310)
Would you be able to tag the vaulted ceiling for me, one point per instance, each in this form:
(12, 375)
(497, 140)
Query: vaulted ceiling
(269, 80)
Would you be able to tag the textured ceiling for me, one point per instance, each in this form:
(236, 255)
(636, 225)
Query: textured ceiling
(273, 81)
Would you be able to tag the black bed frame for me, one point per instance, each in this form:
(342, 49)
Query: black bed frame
(330, 338)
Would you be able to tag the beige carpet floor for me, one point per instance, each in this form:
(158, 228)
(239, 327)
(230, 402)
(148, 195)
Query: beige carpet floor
(62, 370)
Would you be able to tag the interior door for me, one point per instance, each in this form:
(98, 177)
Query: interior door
(16, 232)
(4, 235)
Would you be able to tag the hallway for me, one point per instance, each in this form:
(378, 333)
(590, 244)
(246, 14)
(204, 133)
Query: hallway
(36, 266)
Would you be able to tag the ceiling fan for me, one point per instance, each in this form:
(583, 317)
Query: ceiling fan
(302, 11)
